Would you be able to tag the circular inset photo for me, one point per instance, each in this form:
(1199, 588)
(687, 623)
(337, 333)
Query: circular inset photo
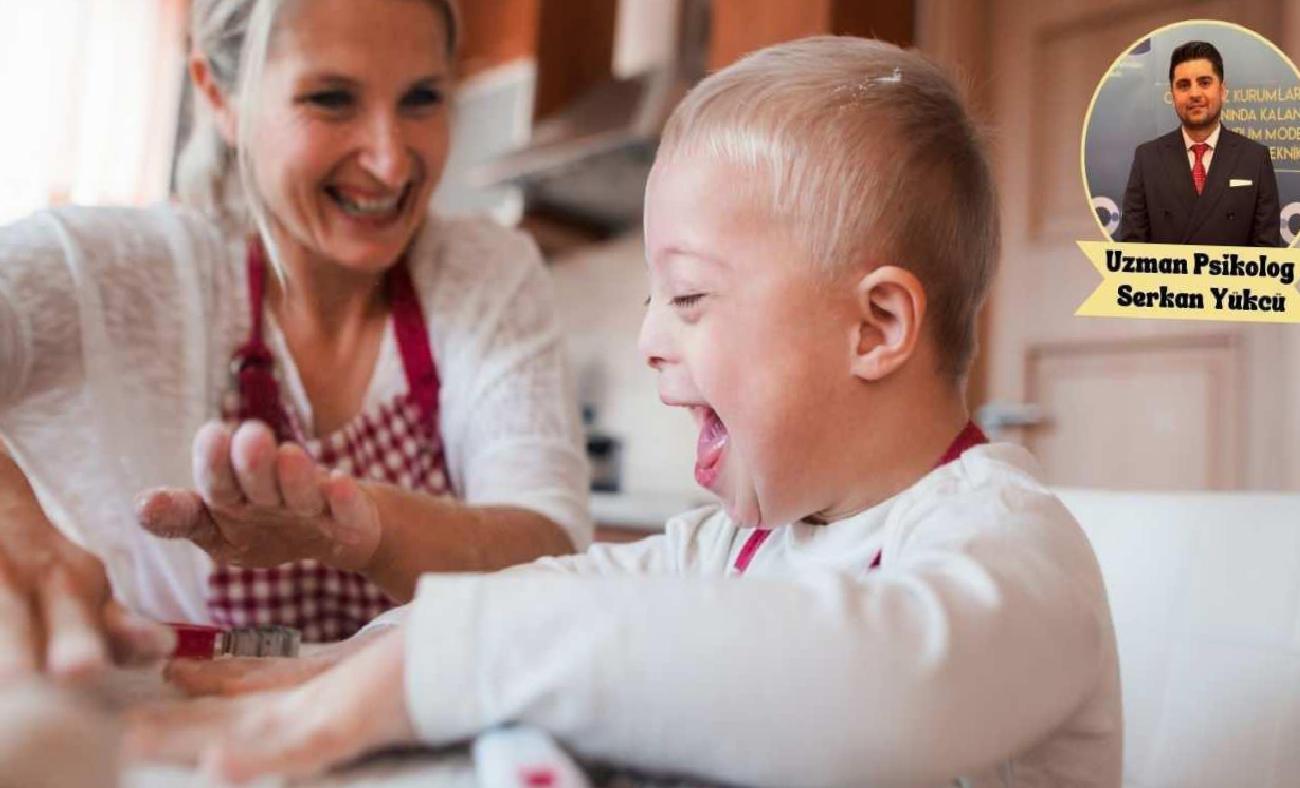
(1193, 137)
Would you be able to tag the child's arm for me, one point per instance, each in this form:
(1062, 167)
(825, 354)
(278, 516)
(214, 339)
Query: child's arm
(969, 646)
(972, 642)
(914, 675)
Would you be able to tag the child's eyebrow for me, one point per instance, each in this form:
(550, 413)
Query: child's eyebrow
(678, 250)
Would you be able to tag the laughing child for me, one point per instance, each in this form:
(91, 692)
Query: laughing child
(882, 596)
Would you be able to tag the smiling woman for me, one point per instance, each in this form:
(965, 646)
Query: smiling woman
(309, 93)
(311, 309)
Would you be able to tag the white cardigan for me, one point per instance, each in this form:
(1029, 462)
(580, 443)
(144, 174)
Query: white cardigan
(116, 331)
(981, 647)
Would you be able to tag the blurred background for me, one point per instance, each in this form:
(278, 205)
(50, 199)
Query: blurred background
(556, 121)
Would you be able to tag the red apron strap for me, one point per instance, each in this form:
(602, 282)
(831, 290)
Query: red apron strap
(970, 435)
(255, 265)
(412, 335)
(253, 364)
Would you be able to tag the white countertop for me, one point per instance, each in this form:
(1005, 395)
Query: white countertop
(643, 511)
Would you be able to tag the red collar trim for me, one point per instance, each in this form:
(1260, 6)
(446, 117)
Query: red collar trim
(970, 435)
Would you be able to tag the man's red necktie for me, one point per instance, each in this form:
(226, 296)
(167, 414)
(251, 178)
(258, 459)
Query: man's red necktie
(1198, 169)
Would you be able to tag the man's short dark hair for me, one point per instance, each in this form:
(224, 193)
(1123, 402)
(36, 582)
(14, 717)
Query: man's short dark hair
(1196, 50)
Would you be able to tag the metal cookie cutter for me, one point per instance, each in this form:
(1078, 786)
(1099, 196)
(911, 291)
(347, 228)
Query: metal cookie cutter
(198, 641)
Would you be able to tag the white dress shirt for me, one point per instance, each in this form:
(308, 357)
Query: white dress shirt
(1212, 141)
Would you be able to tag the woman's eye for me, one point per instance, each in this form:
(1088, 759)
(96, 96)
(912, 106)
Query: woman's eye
(330, 99)
(683, 301)
(422, 97)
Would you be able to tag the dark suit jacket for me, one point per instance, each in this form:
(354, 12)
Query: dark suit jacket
(1161, 204)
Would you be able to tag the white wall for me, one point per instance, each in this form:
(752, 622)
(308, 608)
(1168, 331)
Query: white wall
(600, 293)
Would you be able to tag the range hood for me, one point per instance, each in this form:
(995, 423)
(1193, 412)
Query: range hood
(587, 163)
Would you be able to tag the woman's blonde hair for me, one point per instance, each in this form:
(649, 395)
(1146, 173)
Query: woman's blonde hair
(866, 153)
(235, 37)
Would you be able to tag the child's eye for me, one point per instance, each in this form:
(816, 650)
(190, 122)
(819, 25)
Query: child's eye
(683, 301)
(329, 99)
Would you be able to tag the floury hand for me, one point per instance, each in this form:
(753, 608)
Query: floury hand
(257, 504)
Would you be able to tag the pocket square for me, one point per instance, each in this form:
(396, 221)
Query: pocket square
(1240, 182)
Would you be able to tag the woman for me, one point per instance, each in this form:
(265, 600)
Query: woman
(312, 291)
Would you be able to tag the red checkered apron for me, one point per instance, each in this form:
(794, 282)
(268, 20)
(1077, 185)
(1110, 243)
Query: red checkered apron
(396, 442)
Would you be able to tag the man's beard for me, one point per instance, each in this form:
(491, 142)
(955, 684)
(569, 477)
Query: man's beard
(1208, 123)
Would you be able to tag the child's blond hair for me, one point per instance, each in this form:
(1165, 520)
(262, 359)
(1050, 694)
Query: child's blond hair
(866, 153)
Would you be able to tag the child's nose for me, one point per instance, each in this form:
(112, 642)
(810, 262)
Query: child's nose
(655, 340)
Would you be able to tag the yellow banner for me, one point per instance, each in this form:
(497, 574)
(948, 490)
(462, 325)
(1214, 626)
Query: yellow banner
(1176, 282)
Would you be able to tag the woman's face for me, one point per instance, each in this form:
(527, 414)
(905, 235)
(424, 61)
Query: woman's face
(350, 133)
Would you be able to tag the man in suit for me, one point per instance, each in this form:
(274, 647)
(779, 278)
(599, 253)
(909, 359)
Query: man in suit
(1201, 183)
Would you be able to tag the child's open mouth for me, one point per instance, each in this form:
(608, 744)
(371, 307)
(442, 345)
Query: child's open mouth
(708, 449)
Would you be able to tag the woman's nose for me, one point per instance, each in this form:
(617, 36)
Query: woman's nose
(384, 152)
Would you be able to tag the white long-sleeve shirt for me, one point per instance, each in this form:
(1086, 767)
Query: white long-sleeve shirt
(981, 647)
(116, 332)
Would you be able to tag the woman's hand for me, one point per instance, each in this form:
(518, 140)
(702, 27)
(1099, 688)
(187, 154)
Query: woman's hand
(257, 504)
(57, 612)
(356, 706)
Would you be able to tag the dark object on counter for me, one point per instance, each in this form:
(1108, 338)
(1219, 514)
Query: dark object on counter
(605, 454)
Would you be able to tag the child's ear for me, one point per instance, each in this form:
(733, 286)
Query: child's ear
(891, 307)
(208, 90)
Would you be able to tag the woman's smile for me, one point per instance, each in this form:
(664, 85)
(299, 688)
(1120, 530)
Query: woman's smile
(375, 211)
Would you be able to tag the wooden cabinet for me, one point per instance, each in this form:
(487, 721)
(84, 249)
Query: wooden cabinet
(495, 32)
(741, 26)
(572, 41)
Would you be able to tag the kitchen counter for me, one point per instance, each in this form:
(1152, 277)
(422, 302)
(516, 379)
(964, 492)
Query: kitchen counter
(634, 515)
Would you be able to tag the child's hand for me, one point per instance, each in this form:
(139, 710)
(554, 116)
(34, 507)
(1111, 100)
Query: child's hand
(242, 675)
(356, 706)
(258, 504)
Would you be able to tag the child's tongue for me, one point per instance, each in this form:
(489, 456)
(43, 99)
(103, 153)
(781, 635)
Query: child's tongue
(708, 450)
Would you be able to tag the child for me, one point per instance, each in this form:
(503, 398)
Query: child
(881, 598)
